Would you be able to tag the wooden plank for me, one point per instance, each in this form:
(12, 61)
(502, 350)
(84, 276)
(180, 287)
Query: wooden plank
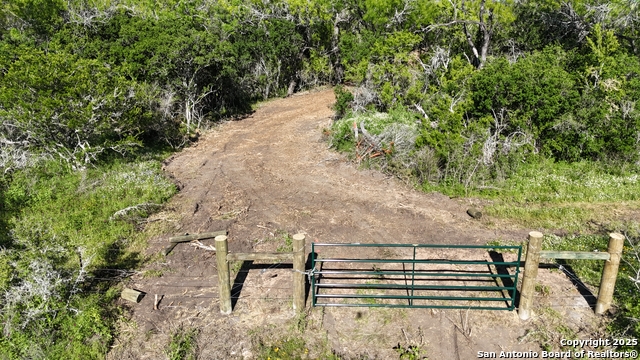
(168, 249)
(185, 238)
(582, 255)
(277, 257)
(131, 295)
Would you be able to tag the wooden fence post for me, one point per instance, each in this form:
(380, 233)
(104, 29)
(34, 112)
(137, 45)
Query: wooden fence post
(298, 272)
(224, 280)
(610, 273)
(530, 274)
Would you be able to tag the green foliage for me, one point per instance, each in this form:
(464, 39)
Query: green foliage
(343, 101)
(536, 93)
(63, 231)
(291, 348)
(398, 127)
(355, 49)
(112, 77)
(560, 182)
(85, 82)
(317, 70)
(74, 108)
(184, 64)
(412, 352)
(590, 271)
(42, 17)
(183, 344)
(563, 195)
(607, 109)
(285, 241)
(341, 137)
(480, 126)
(282, 57)
(389, 71)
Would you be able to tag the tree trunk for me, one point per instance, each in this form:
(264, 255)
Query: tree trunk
(292, 87)
(338, 68)
(485, 31)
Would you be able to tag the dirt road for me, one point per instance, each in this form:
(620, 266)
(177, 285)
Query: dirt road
(274, 169)
(273, 173)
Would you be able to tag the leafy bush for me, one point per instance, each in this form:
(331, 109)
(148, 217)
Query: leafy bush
(61, 237)
(67, 106)
(111, 78)
(535, 93)
(343, 101)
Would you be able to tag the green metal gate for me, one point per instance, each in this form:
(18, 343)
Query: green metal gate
(416, 275)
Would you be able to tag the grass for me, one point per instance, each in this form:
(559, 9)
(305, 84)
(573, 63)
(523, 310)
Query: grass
(543, 290)
(291, 341)
(499, 244)
(289, 348)
(284, 240)
(411, 352)
(182, 345)
(587, 182)
(235, 267)
(152, 273)
(585, 201)
(624, 322)
(564, 196)
(62, 238)
(548, 329)
(589, 271)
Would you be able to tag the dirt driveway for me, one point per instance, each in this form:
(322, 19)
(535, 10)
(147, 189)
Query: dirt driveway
(272, 174)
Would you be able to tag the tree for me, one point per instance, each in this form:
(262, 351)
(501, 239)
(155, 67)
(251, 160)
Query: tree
(40, 17)
(71, 107)
(479, 20)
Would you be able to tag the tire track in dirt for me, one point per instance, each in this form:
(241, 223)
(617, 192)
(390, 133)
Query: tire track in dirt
(276, 167)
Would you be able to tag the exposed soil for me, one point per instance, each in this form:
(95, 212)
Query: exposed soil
(272, 174)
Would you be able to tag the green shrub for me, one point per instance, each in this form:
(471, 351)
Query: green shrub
(63, 234)
(343, 101)
(536, 93)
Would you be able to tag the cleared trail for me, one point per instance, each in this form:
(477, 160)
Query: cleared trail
(273, 169)
(272, 173)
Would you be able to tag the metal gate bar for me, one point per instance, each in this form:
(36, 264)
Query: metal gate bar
(324, 280)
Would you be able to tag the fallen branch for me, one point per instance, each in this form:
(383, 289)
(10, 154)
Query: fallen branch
(187, 237)
(157, 301)
(200, 245)
(372, 140)
(120, 214)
